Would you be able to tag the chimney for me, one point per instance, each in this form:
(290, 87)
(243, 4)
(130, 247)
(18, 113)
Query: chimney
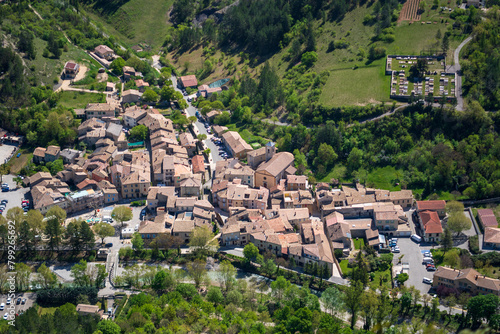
(476, 277)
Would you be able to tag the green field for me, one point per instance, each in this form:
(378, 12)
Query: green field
(377, 275)
(359, 243)
(73, 99)
(136, 21)
(343, 266)
(384, 178)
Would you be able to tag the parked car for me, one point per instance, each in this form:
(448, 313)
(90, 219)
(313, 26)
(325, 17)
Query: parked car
(428, 254)
(18, 301)
(8, 301)
(108, 245)
(2, 306)
(6, 316)
(431, 268)
(427, 260)
(416, 238)
(23, 301)
(396, 249)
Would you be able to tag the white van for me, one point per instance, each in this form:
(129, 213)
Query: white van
(416, 238)
(427, 260)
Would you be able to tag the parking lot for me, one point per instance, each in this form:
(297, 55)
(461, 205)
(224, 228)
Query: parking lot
(412, 253)
(14, 196)
(14, 306)
(6, 152)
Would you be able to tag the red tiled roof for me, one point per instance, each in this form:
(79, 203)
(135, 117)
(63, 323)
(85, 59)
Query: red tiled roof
(431, 222)
(189, 81)
(85, 183)
(487, 217)
(70, 65)
(431, 205)
(198, 164)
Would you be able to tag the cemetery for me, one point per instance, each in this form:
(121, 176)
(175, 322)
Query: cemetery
(427, 80)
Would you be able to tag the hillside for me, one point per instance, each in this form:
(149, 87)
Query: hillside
(132, 22)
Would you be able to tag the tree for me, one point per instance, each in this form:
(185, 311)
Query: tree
(250, 251)
(122, 214)
(79, 274)
(482, 307)
(402, 278)
(54, 231)
(58, 213)
(446, 43)
(117, 65)
(15, 215)
(137, 242)
(326, 154)
(35, 220)
(46, 277)
(279, 287)
(332, 298)
(203, 240)
(226, 275)
(108, 327)
(268, 268)
(309, 58)
(450, 302)
(369, 304)
(104, 230)
(150, 95)
(87, 236)
(457, 222)
(447, 240)
(73, 234)
(138, 133)
(23, 273)
(197, 271)
(202, 137)
(452, 259)
(26, 237)
(26, 43)
(454, 206)
(214, 295)
(352, 300)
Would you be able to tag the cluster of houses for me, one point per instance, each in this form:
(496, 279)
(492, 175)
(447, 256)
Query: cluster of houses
(110, 170)
(489, 223)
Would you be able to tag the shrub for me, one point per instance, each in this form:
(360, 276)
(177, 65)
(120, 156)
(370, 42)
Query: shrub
(60, 296)
(474, 245)
(309, 58)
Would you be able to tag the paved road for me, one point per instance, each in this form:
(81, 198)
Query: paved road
(458, 83)
(199, 128)
(14, 196)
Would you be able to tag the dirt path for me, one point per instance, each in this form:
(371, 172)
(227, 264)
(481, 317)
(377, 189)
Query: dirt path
(458, 84)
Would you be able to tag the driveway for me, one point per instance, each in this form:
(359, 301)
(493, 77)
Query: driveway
(65, 85)
(6, 152)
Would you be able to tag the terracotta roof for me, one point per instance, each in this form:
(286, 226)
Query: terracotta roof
(189, 81)
(70, 65)
(84, 308)
(198, 164)
(53, 150)
(152, 227)
(296, 179)
(103, 49)
(183, 226)
(431, 222)
(39, 152)
(431, 205)
(85, 183)
(235, 142)
(128, 69)
(277, 163)
(141, 83)
(492, 235)
(487, 217)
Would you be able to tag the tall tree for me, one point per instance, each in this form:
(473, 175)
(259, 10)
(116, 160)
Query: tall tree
(332, 299)
(352, 300)
(46, 277)
(54, 231)
(122, 214)
(458, 222)
(103, 230)
(203, 241)
(198, 272)
(226, 276)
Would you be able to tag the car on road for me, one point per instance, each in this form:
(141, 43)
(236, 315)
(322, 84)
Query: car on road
(416, 238)
(108, 245)
(6, 316)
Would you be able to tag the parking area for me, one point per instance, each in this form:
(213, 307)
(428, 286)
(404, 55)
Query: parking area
(412, 254)
(6, 152)
(27, 299)
(14, 196)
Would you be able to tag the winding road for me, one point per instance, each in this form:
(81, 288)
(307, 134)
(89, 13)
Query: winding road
(458, 82)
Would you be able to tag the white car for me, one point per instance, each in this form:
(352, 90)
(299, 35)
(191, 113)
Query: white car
(396, 249)
(2, 306)
(427, 280)
(6, 316)
(8, 301)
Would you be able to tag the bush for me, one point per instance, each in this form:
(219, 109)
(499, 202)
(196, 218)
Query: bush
(138, 203)
(60, 296)
(309, 58)
(338, 253)
(341, 44)
(474, 245)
